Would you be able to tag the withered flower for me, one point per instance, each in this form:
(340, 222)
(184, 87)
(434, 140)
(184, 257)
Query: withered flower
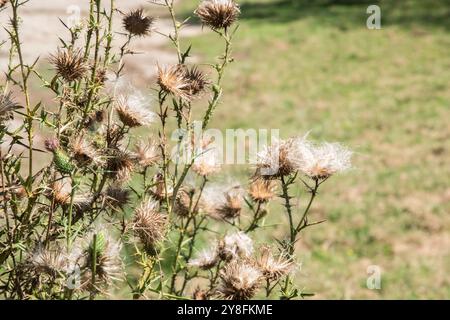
(133, 112)
(84, 152)
(218, 14)
(271, 267)
(147, 154)
(239, 281)
(232, 206)
(149, 223)
(120, 164)
(117, 197)
(69, 64)
(137, 23)
(184, 202)
(173, 80)
(261, 190)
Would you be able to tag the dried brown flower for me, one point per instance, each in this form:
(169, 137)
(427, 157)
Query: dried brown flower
(117, 197)
(239, 281)
(133, 112)
(218, 14)
(138, 24)
(273, 268)
(261, 190)
(147, 154)
(149, 224)
(120, 164)
(69, 64)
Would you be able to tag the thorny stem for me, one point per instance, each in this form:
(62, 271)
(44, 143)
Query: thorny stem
(220, 67)
(29, 116)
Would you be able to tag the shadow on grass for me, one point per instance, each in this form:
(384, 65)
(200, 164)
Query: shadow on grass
(348, 13)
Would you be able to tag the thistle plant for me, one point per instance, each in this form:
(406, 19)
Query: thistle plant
(111, 210)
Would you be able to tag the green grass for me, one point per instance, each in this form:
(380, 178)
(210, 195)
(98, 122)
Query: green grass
(314, 66)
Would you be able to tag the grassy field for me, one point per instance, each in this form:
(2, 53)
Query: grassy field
(314, 66)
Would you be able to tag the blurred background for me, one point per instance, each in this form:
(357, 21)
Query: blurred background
(313, 65)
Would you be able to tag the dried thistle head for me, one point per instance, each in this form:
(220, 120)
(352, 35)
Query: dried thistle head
(173, 80)
(231, 207)
(197, 81)
(137, 23)
(239, 281)
(262, 190)
(84, 152)
(236, 245)
(120, 164)
(147, 154)
(117, 197)
(206, 159)
(320, 161)
(69, 64)
(206, 259)
(149, 223)
(7, 106)
(184, 203)
(48, 261)
(218, 14)
(273, 267)
(275, 160)
(133, 112)
(60, 193)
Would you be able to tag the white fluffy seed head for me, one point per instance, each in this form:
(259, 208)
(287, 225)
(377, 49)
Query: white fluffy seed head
(206, 259)
(320, 161)
(236, 245)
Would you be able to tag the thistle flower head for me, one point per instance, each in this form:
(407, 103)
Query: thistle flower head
(206, 259)
(84, 152)
(149, 223)
(133, 112)
(7, 106)
(120, 164)
(206, 159)
(173, 80)
(218, 14)
(197, 81)
(271, 267)
(236, 245)
(239, 281)
(69, 64)
(181, 81)
(51, 144)
(49, 261)
(184, 202)
(60, 193)
(137, 23)
(117, 197)
(261, 190)
(231, 206)
(274, 161)
(147, 154)
(320, 161)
